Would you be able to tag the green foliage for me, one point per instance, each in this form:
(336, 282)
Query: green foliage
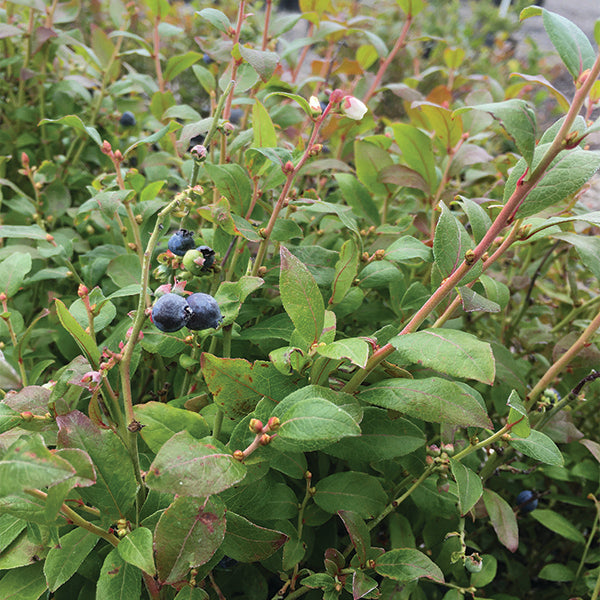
(409, 301)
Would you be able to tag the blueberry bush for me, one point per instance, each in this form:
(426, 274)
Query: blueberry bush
(296, 303)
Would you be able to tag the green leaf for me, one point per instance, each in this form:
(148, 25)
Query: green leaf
(557, 523)
(216, 18)
(118, 579)
(84, 340)
(232, 181)
(293, 552)
(356, 350)
(10, 528)
(162, 421)
(539, 447)
(12, 272)
(155, 137)
(450, 243)
(382, 438)
(370, 160)
(115, 488)
(433, 399)
(8, 417)
(570, 42)
(31, 232)
(63, 561)
(76, 123)
(556, 572)
(301, 297)
(518, 119)
(191, 593)
(446, 125)
(565, 176)
(474, 302)
(300, 100)
(411, 7)
(351, 491)
(187, 535)
(362, 585)
(449, 351)
(247, 542)
(479, 219)
(313, 423)
(588, 248)
(188, 467)
(179, 63)
(358, 532)
(345, 271)
(417, 151)
(408, 249)
(264, 130)
(407, 564)
(503, 519)
(136, 549)
(358, 197)
(237, 385)
(469, 486)
(262, 61)
(518, 414)
(24, 583)
(29, 464)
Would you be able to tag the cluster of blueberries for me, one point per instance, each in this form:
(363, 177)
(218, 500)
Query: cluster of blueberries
(199, 311)
(182, 243)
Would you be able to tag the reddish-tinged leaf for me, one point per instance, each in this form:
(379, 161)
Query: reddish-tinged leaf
(187, 535)
(503, 519)
(115, 487)
(593, 447)
(359, 533)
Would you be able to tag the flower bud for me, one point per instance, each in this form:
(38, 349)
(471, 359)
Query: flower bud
(199, 152)
(255, 426)
(273, 424)
(315, 106)
(353, 108)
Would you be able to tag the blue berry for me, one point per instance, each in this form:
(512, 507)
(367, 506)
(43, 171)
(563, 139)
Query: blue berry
(209, 256)
(526, 501)
(170, 312)
(206, 313)
(235, 116)
(206, 59)
(181, 241)
(127, 119)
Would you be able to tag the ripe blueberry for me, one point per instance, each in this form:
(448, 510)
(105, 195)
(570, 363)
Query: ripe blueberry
(235, 116)
(170, 312)
(127, 119)
(526, 501)
(181, 241)
(206, 313)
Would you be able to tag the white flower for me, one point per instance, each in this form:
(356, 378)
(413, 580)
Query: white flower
(353, 108)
